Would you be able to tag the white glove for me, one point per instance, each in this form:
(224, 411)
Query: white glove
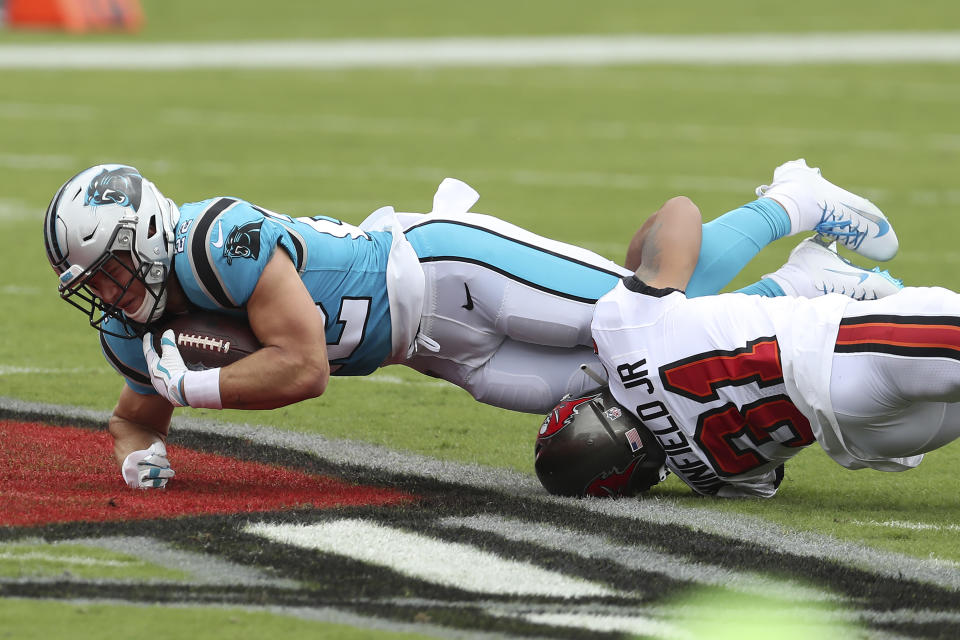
(172, 379)
(147, 468)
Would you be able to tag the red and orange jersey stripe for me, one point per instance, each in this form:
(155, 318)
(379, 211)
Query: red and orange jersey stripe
(914, 336)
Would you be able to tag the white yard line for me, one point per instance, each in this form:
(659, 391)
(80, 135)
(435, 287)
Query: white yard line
(586, 50)
(447, 563)
(635, 624)
(638, 557)
(77, 560)
(902, 524)
(7, 370)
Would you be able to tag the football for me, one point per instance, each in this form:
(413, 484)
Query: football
(208, 340)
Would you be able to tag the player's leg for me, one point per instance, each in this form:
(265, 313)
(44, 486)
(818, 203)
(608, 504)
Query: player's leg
(895, 380)
(519, 376)
(874, 414)
(814, 204)
(798, 200)
(532, 378)
(488, 277)
(508, 313)
(732, 240)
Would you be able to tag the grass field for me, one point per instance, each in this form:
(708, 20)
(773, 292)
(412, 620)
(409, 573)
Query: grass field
(579, 154)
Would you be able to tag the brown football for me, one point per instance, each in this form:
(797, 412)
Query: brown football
(208, 340)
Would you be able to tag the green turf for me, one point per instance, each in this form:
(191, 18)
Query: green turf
(301, 19)
(31, 561)
(606, 145)
(41, 620)
(719, 615)
(582, 155)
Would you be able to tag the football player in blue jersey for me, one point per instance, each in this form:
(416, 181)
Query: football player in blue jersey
(500, 311)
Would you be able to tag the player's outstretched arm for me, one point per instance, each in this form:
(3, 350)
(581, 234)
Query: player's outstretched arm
(139, 427)
(668, 245)
(292, 365)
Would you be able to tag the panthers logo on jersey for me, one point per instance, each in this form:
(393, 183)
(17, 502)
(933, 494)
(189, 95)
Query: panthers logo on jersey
(243, 242)
(121, 186)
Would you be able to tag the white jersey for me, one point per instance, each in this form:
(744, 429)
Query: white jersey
(731, 385)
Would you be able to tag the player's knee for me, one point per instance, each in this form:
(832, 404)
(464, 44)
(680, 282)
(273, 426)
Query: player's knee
(524, 393)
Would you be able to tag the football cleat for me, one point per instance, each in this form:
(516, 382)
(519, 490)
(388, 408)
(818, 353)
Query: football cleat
(852, 220)
(814, 269)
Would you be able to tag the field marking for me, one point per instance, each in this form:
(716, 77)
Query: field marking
(636, 625)
(451, 564)
(80, 560)
(8, 370)
(943, 573)
(203, 569)
(590, 129)
(21, 290)
(576, 51)
(661, 510)
(638, 557)
(525, 177)
(619, 130)
(382, 378)
(511, 483)
(914, 526)
(15, 209)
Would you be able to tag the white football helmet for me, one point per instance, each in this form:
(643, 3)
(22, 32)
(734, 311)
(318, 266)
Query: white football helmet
(101, 211)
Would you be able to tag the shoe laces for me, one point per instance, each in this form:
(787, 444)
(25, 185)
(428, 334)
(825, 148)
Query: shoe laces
(843, 230)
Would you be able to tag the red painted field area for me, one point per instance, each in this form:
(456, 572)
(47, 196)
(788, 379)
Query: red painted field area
(64, 474)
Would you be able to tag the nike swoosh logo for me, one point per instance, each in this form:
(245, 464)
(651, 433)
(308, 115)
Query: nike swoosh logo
(872, 217)
(854, 274)
(219, 241)
(469, 304)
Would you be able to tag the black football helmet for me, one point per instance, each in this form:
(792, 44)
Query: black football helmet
(591, 446)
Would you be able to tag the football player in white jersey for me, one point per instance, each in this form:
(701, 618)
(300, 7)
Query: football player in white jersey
(472, 299)
(723, 390)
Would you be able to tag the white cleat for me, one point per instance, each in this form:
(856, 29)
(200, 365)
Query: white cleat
(814, 269)
(852, 220)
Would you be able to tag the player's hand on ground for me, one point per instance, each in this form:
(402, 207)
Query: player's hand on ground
(167, 369)
(148, 468)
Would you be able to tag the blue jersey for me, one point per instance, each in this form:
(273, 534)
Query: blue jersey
(222, 247)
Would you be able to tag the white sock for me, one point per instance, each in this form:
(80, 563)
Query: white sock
(796, 202)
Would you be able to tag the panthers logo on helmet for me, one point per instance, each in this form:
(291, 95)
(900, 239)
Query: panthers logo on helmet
(243, 242)
(122, 186)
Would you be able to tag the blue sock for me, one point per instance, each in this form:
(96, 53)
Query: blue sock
(730, 242)
(765, 287)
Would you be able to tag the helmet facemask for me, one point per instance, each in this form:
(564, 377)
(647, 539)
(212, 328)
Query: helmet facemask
(77, 289)
(109, 216)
